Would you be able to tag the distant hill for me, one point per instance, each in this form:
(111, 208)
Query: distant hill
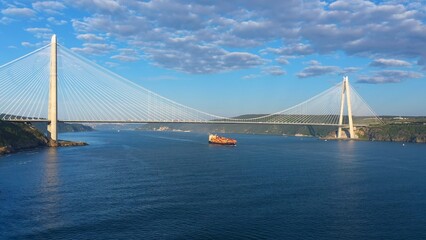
(394, 128)
(42, 126)
(64, 127)
(316, 131)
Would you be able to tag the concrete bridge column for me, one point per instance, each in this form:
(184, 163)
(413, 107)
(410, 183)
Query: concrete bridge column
(346, 93)
(52, 127)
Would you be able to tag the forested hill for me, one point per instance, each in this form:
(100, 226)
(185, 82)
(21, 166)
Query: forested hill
(408, 130)
(65, 127)
(18, 136)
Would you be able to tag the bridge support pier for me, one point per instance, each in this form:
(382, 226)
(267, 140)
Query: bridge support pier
(52, 127)
(346, 91)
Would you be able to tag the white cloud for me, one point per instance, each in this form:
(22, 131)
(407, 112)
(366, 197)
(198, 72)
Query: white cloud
(274, 70)
(177, 15)
(282, 60)
(381, 62)
(314, 63)
(388, 30)
(56, 21)
(125, 58)
(95, 48)
(38, 30)
(33, 45)
(316, 69)
(89, 37)
(298, 49)
(349, 70)
(200, 59)
(127, 55)
(350, 5)
(50, 7)
(41, 33)
(101, 6)
(368, 29)
(18, 12)
(26, 44)
(389, 76)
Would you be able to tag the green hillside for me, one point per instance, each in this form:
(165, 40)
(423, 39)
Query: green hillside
(17, 136)
(399, 129)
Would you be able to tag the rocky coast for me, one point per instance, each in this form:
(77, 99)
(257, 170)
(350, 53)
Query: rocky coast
(21, 136)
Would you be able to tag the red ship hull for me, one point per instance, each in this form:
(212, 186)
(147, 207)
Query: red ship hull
(215, 139)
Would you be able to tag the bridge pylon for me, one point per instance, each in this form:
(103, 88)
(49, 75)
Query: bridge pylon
(346, 93)
(52, 127)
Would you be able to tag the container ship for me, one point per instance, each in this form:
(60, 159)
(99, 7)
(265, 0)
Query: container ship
(215, 139)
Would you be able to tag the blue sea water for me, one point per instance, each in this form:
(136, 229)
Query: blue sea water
(158, 185)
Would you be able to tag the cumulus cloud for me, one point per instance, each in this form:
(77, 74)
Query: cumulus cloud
(368, 29)
(56, 21)
(274, 70)
(176, 15)
(349, 70)
(32, 45)
(202, 59)
(316, 69)
(125, 27)
(90, 37)
(298, 49)
(26, 44)
(18, 12)
(50, 7)
(354, 5)
(127, 55)
(42, 33)
(282, 60)
(104, 6)
(386, 30)
(389, 76)
(256, 30)
(95, 48)
(381, 62)
(125, 58)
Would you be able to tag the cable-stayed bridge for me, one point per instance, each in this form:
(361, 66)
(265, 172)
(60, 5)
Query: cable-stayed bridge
(54, 84)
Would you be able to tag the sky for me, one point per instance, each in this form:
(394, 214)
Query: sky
(236, 57)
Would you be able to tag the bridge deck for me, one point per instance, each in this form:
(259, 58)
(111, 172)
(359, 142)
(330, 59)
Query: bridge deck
(186, 122)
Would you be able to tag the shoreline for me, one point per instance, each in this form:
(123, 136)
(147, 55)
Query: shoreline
(5, 150)
(289, 135)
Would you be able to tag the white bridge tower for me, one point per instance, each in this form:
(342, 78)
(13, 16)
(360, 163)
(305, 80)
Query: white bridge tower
(52, 127)
(346, 93)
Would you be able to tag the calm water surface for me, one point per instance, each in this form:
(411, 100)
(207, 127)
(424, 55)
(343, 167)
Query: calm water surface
(153, 185)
